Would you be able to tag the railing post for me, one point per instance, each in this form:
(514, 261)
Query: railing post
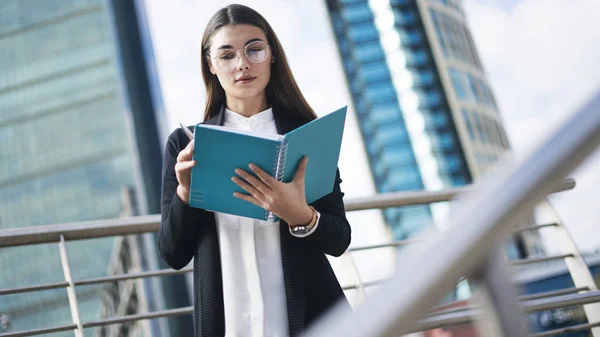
(502, 316)
(360, 286)
(576, 265)
(71, 293)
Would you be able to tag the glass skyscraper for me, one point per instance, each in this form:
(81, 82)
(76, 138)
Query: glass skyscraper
(78, 125)
(427, 115)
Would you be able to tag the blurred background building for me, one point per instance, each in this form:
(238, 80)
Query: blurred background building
(427, 115)
(78, 124)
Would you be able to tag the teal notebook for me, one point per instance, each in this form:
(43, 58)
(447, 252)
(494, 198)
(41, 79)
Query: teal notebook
(219, 150)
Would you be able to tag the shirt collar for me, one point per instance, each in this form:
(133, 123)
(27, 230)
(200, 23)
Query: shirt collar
(261, 117)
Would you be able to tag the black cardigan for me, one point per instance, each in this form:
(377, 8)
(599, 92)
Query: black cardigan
(311, 286)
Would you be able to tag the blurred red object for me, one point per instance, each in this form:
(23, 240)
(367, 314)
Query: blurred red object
(464, 330)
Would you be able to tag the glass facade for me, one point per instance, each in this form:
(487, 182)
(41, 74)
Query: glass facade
(428, 116)
(405, 120)
(65, 152)
(476, 102)
(486, 140)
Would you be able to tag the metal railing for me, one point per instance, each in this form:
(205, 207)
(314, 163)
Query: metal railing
(60, 233)
(486, 214)
(485, 218)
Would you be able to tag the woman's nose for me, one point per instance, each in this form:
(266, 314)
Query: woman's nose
(243, 63)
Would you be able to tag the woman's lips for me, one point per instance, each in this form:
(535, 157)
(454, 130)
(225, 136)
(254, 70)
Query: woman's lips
(245, 79)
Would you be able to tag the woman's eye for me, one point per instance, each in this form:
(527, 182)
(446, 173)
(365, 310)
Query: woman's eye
(227, 56)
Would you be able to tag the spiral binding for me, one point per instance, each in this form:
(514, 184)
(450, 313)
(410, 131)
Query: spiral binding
(281, 160)
(279, 168)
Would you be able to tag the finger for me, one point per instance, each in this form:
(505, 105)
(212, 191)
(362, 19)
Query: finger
(190, 147)
(264, 176)
(248, 198)
(254, 181)
(184, 156)
(186, 153)
(184, 165)
(301, 170)
(249, 188)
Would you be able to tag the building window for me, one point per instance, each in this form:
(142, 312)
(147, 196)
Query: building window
(428, 98)
(502, 134)
(438, 30)
(356, 87)
(423, 77)
(455, 39)
(363, 32)
(445, 140)
(416, 58)
(467, 120)
(380, 167)
(473, 89)
(436, 118)
(406, 178)
(458, 84)
(480, 131)
(381, 91)
(357, 12)
(403, 17)
(385, 114)
(398, 156)
(369, 52)
(411, 37)
(494, 132)
(388, 136)
(374, 72)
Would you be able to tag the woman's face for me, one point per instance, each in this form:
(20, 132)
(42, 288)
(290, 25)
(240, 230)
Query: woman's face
(241, 59)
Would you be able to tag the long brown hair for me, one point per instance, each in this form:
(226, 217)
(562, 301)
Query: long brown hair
(282, 90)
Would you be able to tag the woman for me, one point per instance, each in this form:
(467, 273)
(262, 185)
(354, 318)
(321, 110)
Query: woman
(252, 278)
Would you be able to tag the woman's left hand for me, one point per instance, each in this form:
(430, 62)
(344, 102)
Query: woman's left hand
(286, 200)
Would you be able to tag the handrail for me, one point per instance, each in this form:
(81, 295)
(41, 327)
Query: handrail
(485, 213)
(467, 315)
(539, 259)
(21, 236)
(575, 328)
(485, 218)
(432, 321)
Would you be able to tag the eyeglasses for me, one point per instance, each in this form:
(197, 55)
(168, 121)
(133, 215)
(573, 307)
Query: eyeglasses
(256, 52)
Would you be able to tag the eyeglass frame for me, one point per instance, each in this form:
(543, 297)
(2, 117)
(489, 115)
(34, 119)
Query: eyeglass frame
(238, 56)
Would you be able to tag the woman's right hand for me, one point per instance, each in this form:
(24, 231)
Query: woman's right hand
(183, 171)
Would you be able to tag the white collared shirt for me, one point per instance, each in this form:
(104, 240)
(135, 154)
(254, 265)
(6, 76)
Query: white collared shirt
(253, 286)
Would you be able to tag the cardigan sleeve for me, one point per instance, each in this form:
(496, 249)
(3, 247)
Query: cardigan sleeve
(333, 233)
(180, 225)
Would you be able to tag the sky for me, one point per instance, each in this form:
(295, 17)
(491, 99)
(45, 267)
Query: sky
(540, 57)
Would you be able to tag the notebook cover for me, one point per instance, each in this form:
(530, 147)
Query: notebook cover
(218, 154)
(320, 140)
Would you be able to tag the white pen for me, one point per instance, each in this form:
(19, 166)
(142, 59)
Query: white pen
(187, 131)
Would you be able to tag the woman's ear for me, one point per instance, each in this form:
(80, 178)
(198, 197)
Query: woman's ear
(210, 66)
